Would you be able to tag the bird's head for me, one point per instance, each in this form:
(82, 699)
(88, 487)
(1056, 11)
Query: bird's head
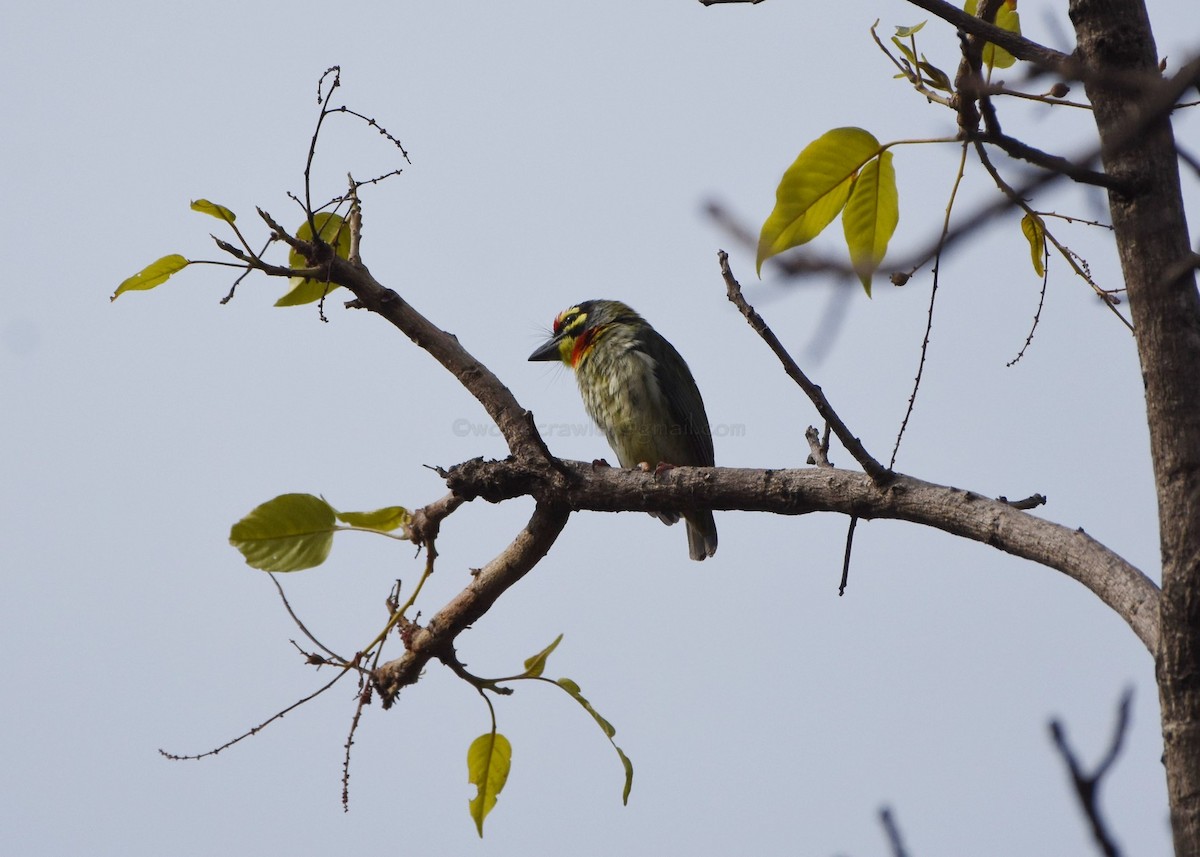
(578, 328)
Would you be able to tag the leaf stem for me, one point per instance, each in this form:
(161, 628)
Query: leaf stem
(399, 612)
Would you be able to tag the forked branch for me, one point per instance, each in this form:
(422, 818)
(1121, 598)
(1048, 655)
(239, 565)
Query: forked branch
(436, 639)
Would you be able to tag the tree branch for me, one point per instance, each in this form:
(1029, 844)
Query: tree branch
(1055, 163)
(563, 486)
(967, 79)
(1017, 45)
(994, 522)
(436, 640)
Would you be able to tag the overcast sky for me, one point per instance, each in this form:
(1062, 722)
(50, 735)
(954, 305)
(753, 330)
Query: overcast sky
(560, 151)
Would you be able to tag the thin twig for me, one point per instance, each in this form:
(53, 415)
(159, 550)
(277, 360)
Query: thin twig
(893, 832)
(1087, 786)
(1019, 202)
(1015, 148)
(1037, 314)
(354, 219)
(878, 473)
(255, 730)
(246, 272)
(937, 267)
(287, 606)
(818, 452)
(1030, 502)
(846, 558)
(365, 692)
(913, 75)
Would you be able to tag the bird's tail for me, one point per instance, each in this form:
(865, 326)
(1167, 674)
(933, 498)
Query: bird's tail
(702, 534)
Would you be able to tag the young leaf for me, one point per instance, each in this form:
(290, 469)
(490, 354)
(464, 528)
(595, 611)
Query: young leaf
(814, 189)
(1035, 234)
(906, 32)
(906, 50)
(934, 76)
(609, 731)
(1007, 18)
(628, 765)
(488, 761)
(290, 533)
(536, 665)
(333, 230)
(305, 292)
(871, 215)
(154, 274)
(211, 208)
(385, 520)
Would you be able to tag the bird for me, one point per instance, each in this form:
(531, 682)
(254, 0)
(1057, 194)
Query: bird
(639, 391)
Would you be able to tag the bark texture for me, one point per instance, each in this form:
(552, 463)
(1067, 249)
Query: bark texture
(1116, 48)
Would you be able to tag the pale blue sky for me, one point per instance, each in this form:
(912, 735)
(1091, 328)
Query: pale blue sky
(559, 152)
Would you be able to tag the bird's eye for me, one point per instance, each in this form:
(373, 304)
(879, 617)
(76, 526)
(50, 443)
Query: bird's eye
(568, 320)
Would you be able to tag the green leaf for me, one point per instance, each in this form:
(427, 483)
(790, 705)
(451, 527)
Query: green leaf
(1007, 18)
(385, 520)
(1035, 233)
(871, 215)
(154, 274)
(573, 689)
(934, 76)
(609, 731)
(628, 765)
(536, 665)
(305, 292)
(333, 230)
(906, 32)
(290, 533)
(906, 50)
(814, 189)
(211, 208)
(488, 761)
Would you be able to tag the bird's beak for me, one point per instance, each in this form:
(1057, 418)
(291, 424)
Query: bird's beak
(548, 350)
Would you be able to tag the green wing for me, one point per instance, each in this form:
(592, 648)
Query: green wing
(683, 400)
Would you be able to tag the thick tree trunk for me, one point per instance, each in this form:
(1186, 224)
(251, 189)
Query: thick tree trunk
(1115, 39)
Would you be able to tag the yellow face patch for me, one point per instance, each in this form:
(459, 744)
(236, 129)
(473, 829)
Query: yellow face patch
(567, 326)
(569, 321)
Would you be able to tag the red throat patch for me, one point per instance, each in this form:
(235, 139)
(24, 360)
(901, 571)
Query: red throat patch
(583, 344)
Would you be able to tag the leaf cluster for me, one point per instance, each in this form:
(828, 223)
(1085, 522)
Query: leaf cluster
(848, 171)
